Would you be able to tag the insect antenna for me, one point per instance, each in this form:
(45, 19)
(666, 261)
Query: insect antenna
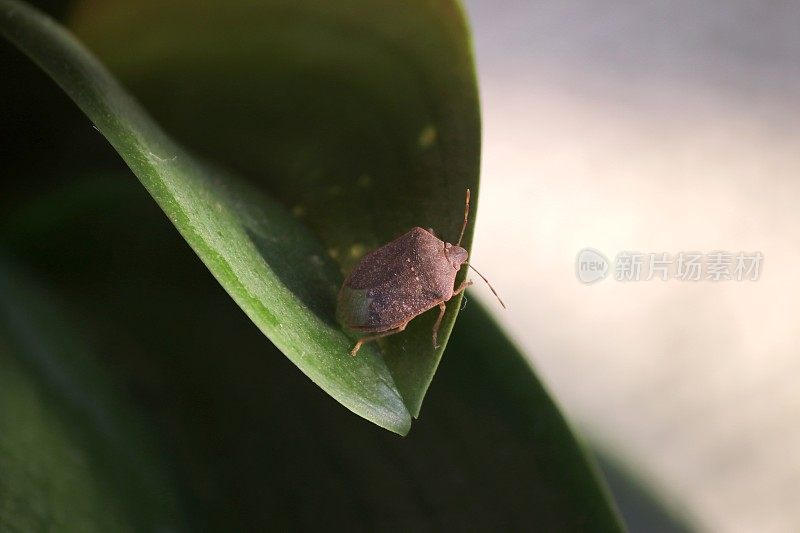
(489, 284)
(466, 217)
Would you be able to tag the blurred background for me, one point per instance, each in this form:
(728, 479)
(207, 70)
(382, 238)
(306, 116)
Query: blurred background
(653, 126)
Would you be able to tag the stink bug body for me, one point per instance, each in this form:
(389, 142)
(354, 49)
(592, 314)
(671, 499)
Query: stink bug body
(399, 281)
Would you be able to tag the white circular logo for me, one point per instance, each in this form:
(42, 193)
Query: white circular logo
(590, 266)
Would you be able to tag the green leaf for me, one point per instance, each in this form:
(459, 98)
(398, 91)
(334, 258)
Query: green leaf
(74, 456)
(491, 451)
(359, 116)
(270, 264)
(641, 505)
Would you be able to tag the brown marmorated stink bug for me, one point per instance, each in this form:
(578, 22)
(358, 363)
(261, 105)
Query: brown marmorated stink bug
(401, 280)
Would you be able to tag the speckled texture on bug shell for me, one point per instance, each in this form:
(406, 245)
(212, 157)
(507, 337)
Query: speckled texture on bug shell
(398, 281)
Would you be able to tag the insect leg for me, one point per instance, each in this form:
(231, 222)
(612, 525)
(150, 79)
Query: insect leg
(463, 286)
(362, 340)
(442, 309)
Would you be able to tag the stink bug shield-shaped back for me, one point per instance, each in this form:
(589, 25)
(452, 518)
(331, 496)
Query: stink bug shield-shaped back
(399, 281)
